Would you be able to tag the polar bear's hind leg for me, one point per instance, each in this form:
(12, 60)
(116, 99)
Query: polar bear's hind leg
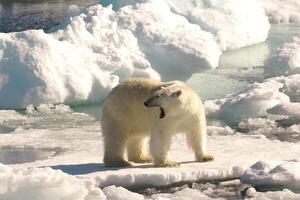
(136, 150)
(114, 151)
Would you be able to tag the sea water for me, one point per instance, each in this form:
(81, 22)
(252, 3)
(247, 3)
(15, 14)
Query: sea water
(19, 15)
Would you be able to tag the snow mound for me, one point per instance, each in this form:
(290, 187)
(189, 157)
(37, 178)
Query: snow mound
(44, 183)
(169, 40)
(289, 109)
(185, 194)
(120, 193)
(285, 174)
(286, 61)
(291, 86)
(251, 102)
(283, 130)
(39, 68)
(235, 23)
(282, 11)
(277, 96)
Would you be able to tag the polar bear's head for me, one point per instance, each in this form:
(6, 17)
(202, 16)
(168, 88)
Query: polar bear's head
(167, 98)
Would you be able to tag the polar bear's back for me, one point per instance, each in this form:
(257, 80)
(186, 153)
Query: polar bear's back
(125, 103)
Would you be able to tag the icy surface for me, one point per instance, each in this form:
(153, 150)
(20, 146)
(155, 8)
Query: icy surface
(282, 11)
(251, 102)
(45, 116)
(120, 193)
(250, 119)
(231, 153)
(44, 183)
(284, 194)
(269, 174)
(286, 61)
(185, 194)
(77, 159)
(10, 155)
(275, 96)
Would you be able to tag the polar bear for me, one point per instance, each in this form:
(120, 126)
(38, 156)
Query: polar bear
(138, 108)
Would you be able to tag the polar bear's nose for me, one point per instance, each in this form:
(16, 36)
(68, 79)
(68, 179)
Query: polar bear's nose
(146, 104)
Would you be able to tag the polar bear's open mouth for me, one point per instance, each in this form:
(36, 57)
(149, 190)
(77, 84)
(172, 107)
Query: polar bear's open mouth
(162, 113)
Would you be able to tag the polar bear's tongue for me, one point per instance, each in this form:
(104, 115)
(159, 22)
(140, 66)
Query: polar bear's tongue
(162, 113)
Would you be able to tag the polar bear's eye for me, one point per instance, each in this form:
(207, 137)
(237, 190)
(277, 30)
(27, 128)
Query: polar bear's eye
(157, 96)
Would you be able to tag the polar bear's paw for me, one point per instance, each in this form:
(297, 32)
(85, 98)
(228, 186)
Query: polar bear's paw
(168, 163)
(118, 163)
(205, 158)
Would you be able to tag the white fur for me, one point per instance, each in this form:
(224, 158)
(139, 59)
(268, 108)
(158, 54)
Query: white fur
(126, 121)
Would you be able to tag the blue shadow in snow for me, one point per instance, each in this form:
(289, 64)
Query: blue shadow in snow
(81, 169)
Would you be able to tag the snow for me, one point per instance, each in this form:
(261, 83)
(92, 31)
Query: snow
(235, 23)
(44, 183)
(97, 47)
(253, 101)
(76, 159)
(120, 193)
(285, 61)
(282, 11)
(185, 194)
(250, 192)
(84, 164)
(278, 96)
(253, 127)
(77, 167)
(171, 42)
(270, 174)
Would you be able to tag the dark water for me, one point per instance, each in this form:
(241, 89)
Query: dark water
(20, 15)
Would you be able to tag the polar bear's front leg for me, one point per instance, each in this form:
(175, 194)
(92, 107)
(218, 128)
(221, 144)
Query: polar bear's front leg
(159, 147)
(196, 138)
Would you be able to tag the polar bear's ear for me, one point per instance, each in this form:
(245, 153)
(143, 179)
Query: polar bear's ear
(177, 93)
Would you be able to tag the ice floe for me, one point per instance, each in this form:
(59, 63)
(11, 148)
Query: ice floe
(285, 61)
(266, 174)
(251, 102)
(282, 11)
